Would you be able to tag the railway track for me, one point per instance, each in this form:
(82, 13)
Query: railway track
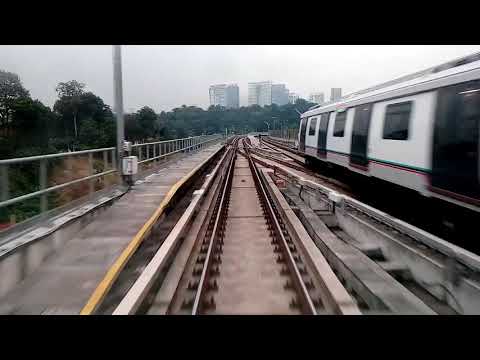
(244, 260)
(390, 266)
(248, 263)
(444, 220)
(257, 241)
(244, 214)
(416, 269)
(297, 163)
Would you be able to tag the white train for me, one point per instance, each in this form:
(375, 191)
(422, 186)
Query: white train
(420, 131)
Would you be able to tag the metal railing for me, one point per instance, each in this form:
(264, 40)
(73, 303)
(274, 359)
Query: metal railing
(289, 136)
(43, 176)
(160, 149)
(107, 163)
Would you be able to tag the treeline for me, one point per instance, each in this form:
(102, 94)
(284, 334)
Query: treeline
(80, 120)
(189, 120)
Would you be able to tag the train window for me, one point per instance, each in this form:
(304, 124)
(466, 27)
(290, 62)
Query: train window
(313, 125)
(322, 134)
(339, 126)
(397, 119)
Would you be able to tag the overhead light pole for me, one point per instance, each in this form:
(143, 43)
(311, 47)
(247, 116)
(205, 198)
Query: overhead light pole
(118, 102)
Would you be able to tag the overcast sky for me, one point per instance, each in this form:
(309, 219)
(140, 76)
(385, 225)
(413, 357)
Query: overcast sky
(164, 77)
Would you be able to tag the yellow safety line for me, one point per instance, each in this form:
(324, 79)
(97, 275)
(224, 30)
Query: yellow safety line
(112, 274)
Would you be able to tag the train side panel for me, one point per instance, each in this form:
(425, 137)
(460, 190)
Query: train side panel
(311, 136)
(338, 142)
(399, 145)
(425, 141)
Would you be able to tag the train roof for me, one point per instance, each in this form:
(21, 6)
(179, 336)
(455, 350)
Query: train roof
(455, 71)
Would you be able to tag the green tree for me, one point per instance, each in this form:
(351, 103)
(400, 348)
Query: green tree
(69, 94)
(90, 111)
(147, 121)
(11, 90)
(33, 123)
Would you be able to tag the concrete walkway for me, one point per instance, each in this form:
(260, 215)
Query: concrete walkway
(66, 280)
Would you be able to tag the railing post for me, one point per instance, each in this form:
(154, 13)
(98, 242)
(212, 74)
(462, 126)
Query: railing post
(148, 151)
(4, 183)
(91, 184)
(43, 185)
(105, 167)
(114, 162)
(155, 151)
(139, 150)
(105, 160)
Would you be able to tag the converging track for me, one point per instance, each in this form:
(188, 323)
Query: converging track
(237, 253)
(247, 263)
(263, 237)
(407, 270)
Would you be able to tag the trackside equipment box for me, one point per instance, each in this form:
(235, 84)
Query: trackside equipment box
(130, 165)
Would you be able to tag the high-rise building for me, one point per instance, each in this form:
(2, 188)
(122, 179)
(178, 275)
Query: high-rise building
(265, 93)
(224, 95)
(317, 98)
(260, 93)
(292, 98)
(232, 93)
(217, 95)
(336, 94)
(279, 94)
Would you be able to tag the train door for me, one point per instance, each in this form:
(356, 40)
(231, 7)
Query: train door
(455, 158)
(361, 126)
(322, 135)
(303, 133)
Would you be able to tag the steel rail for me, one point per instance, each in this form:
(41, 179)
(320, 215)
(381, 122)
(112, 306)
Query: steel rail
(307, 303)
(214, 236)
(282, 146)
(284, 153)
(139, 291)
(463, 256)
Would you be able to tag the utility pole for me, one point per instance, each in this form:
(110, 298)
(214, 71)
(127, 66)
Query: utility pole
(118, 102)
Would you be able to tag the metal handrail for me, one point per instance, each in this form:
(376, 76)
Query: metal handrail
(174, 146)
(166, 141)
(5, 199)
(51, 156)
(184, 148)
(53, 188)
